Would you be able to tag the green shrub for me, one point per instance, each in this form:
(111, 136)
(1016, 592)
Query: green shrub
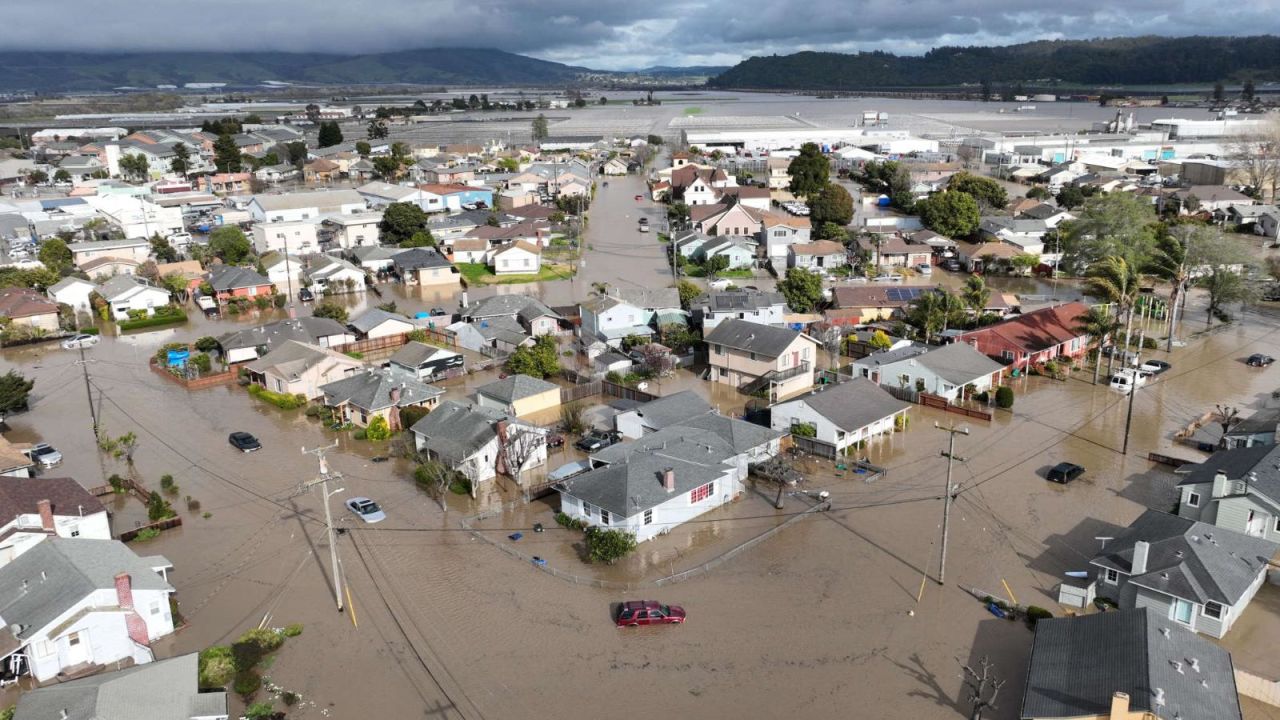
(981, 397)
(293, 630)
(193, 505)
(146, 534)
(569, 522)
(202, 362)
(267, 639)
(411, 415)
(207, 515)
(117, 484)
(460, 486)
(167, 484)
(804, 430)
(261, 710)
(289, 698)
(280, 400)
(158, 508)
(1004, 397)
(361, 434)
(208, 343)
(247, 683)
(262, 302)
(378, 429)
(1035, 614)
(609, 546)
(87, 331)
(167, 315)
(217, 667)
(355, 355)
(313, 411)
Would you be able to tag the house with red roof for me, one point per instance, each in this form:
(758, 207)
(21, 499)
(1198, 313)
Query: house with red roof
(1033, 338)
(26, 307)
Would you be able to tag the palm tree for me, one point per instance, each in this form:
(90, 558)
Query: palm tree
(935, 311)
(1116, 281)
(976, 294)
(1098, 324)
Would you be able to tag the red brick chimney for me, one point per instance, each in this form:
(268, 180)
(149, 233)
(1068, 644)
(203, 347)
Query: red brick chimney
(46, 514)
(133, 621)
(669, 480)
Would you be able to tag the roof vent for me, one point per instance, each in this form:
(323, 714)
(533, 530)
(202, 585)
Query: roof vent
(1159, 696)
(1195, 664)
(1204, 684)
(1177, 666)
(1165, 632)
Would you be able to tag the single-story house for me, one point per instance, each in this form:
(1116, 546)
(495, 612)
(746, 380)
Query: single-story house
(425, 266)
(35, 509)
(1238, 490)
(471, 250)
(819, 256)
(519, 395)
(127, 293)
(660, 413)
(332, 276)
(287, 272)
(476, 440)
(427, 362)
(71, 603)
(1196, 574)
(841, 415)
(135, 249)
(894, 251)
(740, 251)
(297, 368)
(72, 291)
(381, 392)
(518, 258)
(229, 281)
(28, 308)
(1033, 338)
(374, 258)
(1123, 665)
(376, 323)
(943, 371)
(162, 690)
(250, 343)
(108, 267)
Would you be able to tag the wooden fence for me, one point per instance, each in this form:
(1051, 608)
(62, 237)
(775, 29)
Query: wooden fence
(815, 447)
(1175, 462)
(131, 486)
(941, 403)
(165, 524)
(197, 383)
(592, 388)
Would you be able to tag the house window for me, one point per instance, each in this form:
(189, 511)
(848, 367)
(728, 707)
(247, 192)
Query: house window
(648, 517)
(753, 355)
(1277, 525)
(1182, 611)
(155, 607)
(604, 516)
(587, 509)
(717, 349)
(1007, 355)
(1193, 499)
(1113, 576)
(44, 648)
(699, 494)
(1213, 610)
(75, 531)
(724, 372)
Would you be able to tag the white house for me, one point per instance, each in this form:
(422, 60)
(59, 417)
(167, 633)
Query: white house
(67, 604)
(162, 690)
(297, 237)
(622, 312)
(128, 293)
(944, 371)
(285, 272)
(377, 323)
(765, 308)
(518, 258)
(72, 291)
(331, 275)
(780, 233)
(305, 205)
(137, 249)
(136, 217)
(660, 413)
(381, 194)
(35, 509)
(353, 231)
(475, 440)
(740, 251)
(839, 416)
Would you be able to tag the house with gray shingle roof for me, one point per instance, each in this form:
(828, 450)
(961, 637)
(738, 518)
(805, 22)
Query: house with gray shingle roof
(426, 362)
(1200, 575)
(250, 343)
(624, 312)
(660, 413)
(163, 690)
(519, 395)
(69, 604)
(376, 322)
(1237, 490)
(229, 281)
(840, 416)
(380, 392)
(1113, 664)
(473, 439)
(943, 371)
(761, 358)
(532, 314)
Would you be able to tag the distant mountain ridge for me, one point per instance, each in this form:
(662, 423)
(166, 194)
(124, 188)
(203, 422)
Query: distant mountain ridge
(1113, 61)
(59, 71)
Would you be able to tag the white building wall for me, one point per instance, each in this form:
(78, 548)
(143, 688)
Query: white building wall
(105, 632)
(667, 516)
(296, 238)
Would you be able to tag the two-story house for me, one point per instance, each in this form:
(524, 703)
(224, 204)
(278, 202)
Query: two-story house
(36, 509)
(754, 357)
(778, 232)
(1199, 575)
(765, 308)
(625, 312)
(1236, 490)
(818, 256)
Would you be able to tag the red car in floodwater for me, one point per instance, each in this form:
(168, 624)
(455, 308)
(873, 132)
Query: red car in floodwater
(649, 612)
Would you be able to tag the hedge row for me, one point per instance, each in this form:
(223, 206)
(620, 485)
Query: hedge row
(280, 400)
(154, 321)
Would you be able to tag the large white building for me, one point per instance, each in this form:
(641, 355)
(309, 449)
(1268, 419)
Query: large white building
(296, 237)
(311, 205)
(137, 218)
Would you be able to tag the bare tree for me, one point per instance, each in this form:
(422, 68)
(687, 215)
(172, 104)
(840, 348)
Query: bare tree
(518, 445)
(1256, 153)
(983, 688)
(1226, 416)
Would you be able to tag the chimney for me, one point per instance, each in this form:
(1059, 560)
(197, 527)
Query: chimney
(1140, 551)
(1119, 706)
(669, 480)
(46, 514)
(124, 591)
(1220, 484)
(133, 622)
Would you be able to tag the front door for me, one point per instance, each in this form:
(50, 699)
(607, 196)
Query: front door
(78, 648)
(1256, 525)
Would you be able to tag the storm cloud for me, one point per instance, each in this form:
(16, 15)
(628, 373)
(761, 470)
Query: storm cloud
(607, 34)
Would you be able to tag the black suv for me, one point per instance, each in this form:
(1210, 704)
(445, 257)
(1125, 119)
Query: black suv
(1065, 472)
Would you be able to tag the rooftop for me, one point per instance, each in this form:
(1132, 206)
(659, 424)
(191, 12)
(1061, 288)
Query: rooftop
(378, 389)
(20, 496)
(161, 690)
(852, 405)
(515, 387)
(764, 340)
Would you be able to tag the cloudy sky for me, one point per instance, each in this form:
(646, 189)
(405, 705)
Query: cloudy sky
(608, 34)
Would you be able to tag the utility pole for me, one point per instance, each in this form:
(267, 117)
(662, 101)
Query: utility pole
(950, 455)
(323, 481)
(88, 389)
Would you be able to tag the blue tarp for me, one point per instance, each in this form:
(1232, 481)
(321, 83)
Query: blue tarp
(178, 357)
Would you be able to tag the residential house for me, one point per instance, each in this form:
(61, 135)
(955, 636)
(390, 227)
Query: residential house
(1126, 665)
(518, 258)
(73, 291)
(1238, 490)
(1051, 215)
(779, 169)
(309, 205)
(840, 416)
(374, 258)
(381, 194)
(189, 270)
(860, 304)
(297, 237)
(14, 460)
(470, 250)
(135, 249)
(819, 256)
(614, 166)
(534, 232)
(24, 307)
(162, 690)
(136, 218)
(226, 183)
(1268, 223)
(252, 343)
(653, 485)
(779, 232)
(427, 362)
(501, 333)
(102, 268)
(380, 392)
(1026, 234)
(658, 414)
(297, 368)
(72, 603)
(519, 395)
(35, 509)
(230, 281)
(734, 220)
(894, 251)
(286, 272)
(275, 174)
(533, 316)
(754, 357)
(689, 242)
(1209, 198)
(943, 371)
(1196, 574)
(351, 231)
(454, 197)
(1033, 338)
(127, 294)
(739, 251)
(756, 198)
(765, 308)
(624, 312)
(333, 276)
(425, 266)
(861, 343)
(476, 440)
(378, 323)
(979, 257)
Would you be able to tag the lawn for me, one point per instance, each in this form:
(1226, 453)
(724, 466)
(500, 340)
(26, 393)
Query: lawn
(479, 274)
